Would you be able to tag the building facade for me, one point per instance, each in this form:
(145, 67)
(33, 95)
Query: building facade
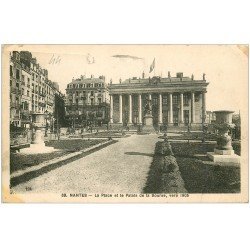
(30, 89)
(87, 101)
(15, 89)
(176, 101)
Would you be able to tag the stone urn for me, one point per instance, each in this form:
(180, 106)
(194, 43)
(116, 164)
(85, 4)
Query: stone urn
(37, 145)
(224, 153)
(223, 124)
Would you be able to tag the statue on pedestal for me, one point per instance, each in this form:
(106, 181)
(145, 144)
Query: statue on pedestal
(148, 107)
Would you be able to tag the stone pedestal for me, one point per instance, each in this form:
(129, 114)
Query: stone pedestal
(37, 145)
(224, 153)
(228, 160)
(148, 124)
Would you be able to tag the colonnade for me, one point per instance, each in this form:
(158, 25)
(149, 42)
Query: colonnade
(160, 104)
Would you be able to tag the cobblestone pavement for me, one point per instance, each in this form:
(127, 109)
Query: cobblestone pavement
(119, 168)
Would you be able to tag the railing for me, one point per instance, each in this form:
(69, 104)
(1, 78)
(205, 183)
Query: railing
(24, 111)
(17, 138)
(25, 137)
(13, 90)
(14, 105)
(50, 103)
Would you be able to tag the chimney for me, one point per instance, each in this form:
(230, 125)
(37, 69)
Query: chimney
(179, 75)
(33, 60)
(16, 55)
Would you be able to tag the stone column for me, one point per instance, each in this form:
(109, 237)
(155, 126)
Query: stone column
(192, 108)
(96, 98)
(104, 96)
(160, 109)
(139, 111)
(149, 97)
(130, 109)
(181, 108)
(170, 108)
(111, 109)
(120, 108)
(88, 98)
(204, 106)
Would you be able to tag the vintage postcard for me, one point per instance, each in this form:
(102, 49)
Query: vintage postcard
(124, 123)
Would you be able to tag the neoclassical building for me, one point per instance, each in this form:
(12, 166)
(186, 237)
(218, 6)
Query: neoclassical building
(176, 101)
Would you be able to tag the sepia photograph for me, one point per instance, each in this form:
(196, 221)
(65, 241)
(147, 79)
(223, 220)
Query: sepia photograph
(125, 123)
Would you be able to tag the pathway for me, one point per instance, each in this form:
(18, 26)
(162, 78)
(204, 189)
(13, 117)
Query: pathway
(119, 168)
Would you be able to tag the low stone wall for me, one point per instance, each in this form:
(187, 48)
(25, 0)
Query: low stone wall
(164, 175)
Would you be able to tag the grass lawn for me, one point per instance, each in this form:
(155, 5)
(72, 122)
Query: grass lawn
(104, 134)
(18, 161)
(194, 136)
(202, 175)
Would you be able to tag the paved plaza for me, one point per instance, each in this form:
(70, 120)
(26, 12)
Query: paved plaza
(119, 168)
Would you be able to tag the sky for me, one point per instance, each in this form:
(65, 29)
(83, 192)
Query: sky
(225, 66)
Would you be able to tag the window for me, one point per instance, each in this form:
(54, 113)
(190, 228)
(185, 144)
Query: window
(99, 100)
(155, 101)
(23, 78)
(28, 93)
(164, 101)
(185, 99)
(92, 93)
(175, 117)
(197, 97)
(175, 99)
(18, 74)
(76, 93)
(11, 70)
